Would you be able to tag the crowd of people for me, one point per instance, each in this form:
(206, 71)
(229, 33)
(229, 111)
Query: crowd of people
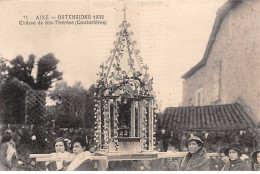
(27, 140)
(76, 156)
(197, 159)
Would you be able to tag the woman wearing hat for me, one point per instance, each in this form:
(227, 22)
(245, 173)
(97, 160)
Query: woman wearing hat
(255, 164)
(197, 158)
(235, 163)
(60, 147)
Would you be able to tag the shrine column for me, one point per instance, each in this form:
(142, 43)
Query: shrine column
(133, 119)
(99, 125)
(142, 125)
(115, 129)
(150, 138)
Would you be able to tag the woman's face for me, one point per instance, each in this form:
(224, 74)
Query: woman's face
(193, 147)
(232, 154)
(59, 147)
(224, 158)
(258, 157)
(77, 148)
(171, 148)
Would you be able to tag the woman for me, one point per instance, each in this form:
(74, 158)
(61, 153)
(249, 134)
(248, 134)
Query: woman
(60, 148)
(235, 163)
(223, 159)
(197, 158)
(171, 164)
(255, 164)
(82, 160)
(8, 155)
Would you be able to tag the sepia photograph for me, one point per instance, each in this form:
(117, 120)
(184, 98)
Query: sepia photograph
(129, 85)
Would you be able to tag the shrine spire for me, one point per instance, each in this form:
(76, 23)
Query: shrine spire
(124, 9)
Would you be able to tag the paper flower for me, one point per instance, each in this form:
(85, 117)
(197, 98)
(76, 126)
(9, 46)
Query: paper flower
(33, 137)
(20, 162)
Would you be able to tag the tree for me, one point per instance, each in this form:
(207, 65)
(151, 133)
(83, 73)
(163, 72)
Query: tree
(46, 74)
(12, 97)
(18, 74)
(89, 115)
(74, 105)
(3, 70)
(3, 75)
(22, 70)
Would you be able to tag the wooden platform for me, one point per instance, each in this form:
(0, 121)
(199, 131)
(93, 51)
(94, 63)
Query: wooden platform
(117, 156)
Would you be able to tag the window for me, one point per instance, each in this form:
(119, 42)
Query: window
(199, 97)
(129, 118)
(124, 118)
(216, 81)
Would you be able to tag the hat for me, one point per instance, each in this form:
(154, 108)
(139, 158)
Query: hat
(235, 147)
(172, 143)
(193, 138)
(8, 131)
(222, 150)
(59, 139)
(254, 154)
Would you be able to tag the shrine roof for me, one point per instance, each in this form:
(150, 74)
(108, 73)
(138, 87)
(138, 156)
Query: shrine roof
(210, 118)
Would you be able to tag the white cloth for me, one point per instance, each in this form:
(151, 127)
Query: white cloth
(10, 152)
(78, 160)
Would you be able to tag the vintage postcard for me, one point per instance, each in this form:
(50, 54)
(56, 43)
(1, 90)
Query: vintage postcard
(129, 85)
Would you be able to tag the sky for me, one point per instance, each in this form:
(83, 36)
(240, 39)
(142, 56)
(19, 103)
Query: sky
(171, 36)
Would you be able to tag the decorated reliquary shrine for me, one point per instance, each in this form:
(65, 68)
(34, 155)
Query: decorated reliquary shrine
(124, 100)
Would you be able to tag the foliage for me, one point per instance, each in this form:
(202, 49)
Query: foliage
(17, 77)
(12, 95)
(3, 70)
(73, 105)
(22, 70)
(34, 117)
(47, 72)
(89, 115)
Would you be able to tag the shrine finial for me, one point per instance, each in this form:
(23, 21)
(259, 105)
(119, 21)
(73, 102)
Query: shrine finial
(124, 9)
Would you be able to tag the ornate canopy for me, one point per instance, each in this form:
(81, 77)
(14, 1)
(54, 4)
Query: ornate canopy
(124, 97)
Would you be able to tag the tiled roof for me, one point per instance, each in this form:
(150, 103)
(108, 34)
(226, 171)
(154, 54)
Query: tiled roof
(210, 118)
(221, 14)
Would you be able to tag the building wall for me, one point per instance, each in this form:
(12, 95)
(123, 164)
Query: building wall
(237, 47)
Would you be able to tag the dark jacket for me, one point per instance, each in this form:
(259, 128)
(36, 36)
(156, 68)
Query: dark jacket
(170, 164)
(198, 161)
(52, 166)
(85, 166)
(237, 165)
(256, 167)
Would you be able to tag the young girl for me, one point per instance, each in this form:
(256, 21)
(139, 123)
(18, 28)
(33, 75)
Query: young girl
(235, 163)
(255, 164)
(60, 148)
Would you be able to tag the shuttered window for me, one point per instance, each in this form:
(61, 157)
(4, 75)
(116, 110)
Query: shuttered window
(216, 81)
